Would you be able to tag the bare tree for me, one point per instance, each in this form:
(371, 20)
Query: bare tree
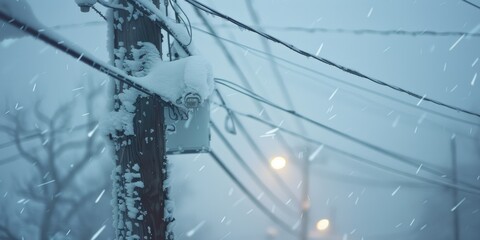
(60, 187)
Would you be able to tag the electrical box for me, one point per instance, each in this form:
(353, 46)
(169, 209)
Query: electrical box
(187, 131)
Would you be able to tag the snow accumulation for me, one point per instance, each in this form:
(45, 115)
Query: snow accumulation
(178, 30)
(20, 10)
(173, 80)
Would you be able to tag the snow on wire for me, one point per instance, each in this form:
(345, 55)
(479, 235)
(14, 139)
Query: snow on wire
(209, 10)
(403, 158)
(175, 77)
(355, 157)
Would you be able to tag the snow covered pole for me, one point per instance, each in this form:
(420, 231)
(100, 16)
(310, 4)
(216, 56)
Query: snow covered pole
(139, 138)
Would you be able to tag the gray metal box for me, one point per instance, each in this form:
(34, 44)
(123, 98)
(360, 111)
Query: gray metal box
(187, 131)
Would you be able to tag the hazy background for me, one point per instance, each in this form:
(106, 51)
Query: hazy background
(361, 202)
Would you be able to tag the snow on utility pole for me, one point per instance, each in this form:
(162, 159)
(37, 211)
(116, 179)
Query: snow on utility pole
(139, 196)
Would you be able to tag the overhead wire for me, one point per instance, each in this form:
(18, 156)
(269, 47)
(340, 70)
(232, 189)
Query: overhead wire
(261, 157)
(99, 13)
(397, 156)
(399, 32)
(250, 171)
(359, 158)
(255, 50)
(146, 10)
(178, 11)
(471, 4)
(273, 65)
(252, 198)
(71, 50)
(245, 81)
(421, 98)
(61, 45)
(89, 60)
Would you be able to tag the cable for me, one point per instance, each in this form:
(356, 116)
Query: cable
(69, 48)
(471, 4)
(250, 172)
(99, 13)
(361, 159)
(273, 65)
(260, 154)
(187, 23)
(399, 157)
(252, 198)
(254, 50)
(245, 81)
(149, 9)
(400, 32)
(207, 9)
(405, 159)
(95, 23)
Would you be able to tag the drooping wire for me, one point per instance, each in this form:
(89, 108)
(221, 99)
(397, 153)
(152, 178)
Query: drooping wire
(146, 9)
(207, 9)
(258, 151)
(255, 50)
(242, 76)
(397, 156)
(252, 198)
(357, 158)
(178, 12)
(274, 66)
(250, 172)
(400, 157)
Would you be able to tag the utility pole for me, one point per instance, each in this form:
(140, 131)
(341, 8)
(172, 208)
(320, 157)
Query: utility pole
(456, 230)
(305, 194)
(139, 195)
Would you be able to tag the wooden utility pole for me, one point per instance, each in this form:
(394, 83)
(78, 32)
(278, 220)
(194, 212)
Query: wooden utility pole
(456, 226)
(139, 195)
(305, 195)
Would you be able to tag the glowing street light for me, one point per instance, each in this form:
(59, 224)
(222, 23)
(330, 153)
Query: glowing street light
(278, 163)
(323, 225)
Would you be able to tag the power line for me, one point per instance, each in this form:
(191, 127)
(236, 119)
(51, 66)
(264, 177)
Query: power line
(257, 51)
(95, 23)
(52, 39)
(400, 157)
(209, 10)
(260, 154)
(471, 4)
(250, 172)
(149, 9)
(244, 79)
(89, 60)
(99, 13)
(252, 198)
(273, 65)
(413, 33)
(359, 158)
